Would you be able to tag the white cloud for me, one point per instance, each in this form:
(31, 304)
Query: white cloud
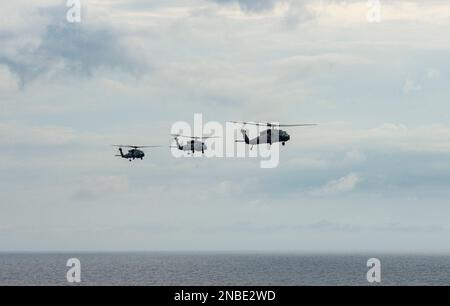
(351, 12)
(410, 85)
(342, 185)
(432, 74)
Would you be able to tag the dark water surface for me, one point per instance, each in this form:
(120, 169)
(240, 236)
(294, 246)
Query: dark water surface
(221, 269)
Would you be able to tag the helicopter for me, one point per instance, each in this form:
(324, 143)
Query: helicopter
(134, 153)
(192, 145)
(271, 135)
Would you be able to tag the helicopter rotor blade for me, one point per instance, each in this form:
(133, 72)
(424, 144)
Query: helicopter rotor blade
(268, 124)
(302, 124)
(195, 137)
(252, 123)
(135, 147)
(244, 122)
(207, 137)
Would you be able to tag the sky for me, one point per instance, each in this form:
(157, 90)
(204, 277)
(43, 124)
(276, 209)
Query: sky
(373, 176)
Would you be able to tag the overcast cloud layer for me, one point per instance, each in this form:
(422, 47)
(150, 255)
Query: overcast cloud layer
(373, 176)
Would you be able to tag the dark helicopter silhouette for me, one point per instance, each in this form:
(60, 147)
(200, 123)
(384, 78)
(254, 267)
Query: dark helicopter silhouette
(271, 135)
(134, 152)
(191, 146)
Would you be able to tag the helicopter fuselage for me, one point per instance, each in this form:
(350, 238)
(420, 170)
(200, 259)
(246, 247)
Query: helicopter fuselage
(194, 145)
(269, 136)
(133, 154)
(191, 146)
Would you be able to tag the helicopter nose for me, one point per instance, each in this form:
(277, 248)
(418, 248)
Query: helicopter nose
(288, 137)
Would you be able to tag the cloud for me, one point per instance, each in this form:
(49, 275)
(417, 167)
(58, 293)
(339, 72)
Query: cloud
(93, 188)
(307, 66)
(347, 159)
(410, 85)
(298, 12)
(56, 136)
(67, 49)
(251, 5)
(342, 185)
(432, 74)
(8, 81)
(389, 136)
(321, 226)
(289, 12)
(12, 133)
(354, 157)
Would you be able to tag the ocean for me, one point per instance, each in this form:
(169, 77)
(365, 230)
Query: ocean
(192, 269)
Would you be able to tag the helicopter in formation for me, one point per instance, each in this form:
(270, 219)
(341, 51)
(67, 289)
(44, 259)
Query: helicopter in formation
(196, 144)
(272, 135)
(134, 152)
